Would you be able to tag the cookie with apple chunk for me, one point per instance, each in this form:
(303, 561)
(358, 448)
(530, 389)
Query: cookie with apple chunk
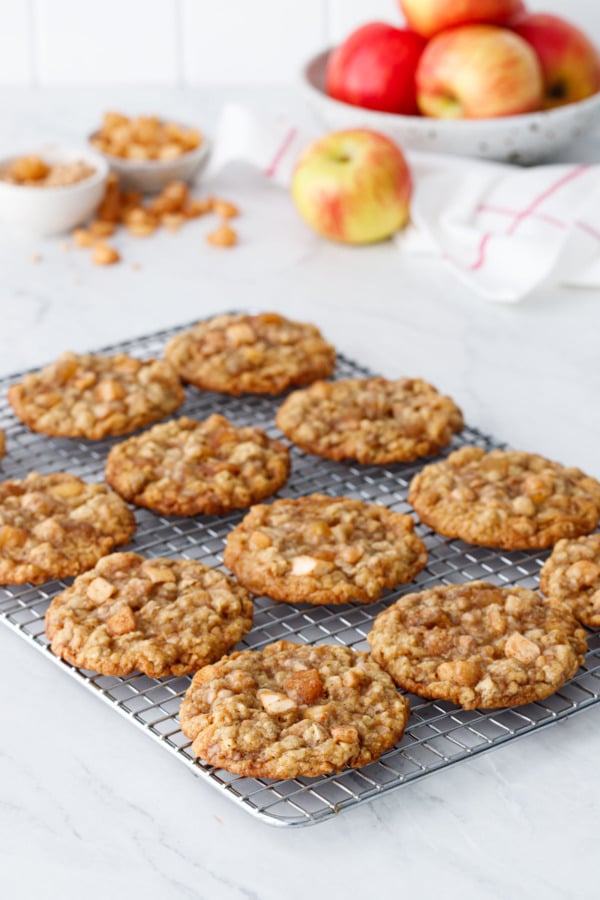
(93, 396)
(371, 420)
(160, 616)
(505, 498)
(572, 574)
(245, 354)
(56, 526)
(185, 468)
(292, 710)
(478, 645)
(321, 549)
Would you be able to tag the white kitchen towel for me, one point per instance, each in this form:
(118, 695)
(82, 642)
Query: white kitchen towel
(504, 230)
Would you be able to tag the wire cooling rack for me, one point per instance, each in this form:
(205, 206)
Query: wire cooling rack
(439, 734)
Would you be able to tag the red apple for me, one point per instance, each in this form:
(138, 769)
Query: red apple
(478, 72)
(375, 68)
(429, 17)
(570, 62)
(353, 187)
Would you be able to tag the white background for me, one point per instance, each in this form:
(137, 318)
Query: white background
(170, 42)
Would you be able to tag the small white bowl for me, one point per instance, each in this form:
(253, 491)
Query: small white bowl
(150, 176)
(52, 210)
(522, 139)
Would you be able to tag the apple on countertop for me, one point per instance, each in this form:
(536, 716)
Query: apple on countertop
(353, 187)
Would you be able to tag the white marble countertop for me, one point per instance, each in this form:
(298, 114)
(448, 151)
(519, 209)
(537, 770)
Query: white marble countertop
(88, 806)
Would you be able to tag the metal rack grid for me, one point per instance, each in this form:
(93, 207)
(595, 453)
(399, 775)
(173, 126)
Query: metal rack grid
(439, 734)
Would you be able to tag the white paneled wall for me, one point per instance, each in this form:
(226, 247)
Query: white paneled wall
(249, 41)
(52, 42)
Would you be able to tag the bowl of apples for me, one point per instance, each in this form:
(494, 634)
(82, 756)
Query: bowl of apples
(482, 78)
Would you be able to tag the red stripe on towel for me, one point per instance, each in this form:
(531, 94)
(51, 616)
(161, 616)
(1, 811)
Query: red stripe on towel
(588, 229)
(530, 210)
(282, 150)
(480, 253)
(502, 211)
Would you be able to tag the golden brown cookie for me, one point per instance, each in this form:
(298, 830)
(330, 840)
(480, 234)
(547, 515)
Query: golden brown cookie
(505, 498)
(478, 645)
(370, 419)
(185, 467)
(572, 574)
(54, 526)
(91, 396)
(291, 710)
(2, 444)
(161, 616)
(321, 549)
(240, 354)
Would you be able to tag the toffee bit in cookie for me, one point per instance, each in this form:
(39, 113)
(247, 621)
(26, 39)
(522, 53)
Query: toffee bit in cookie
(93, 396)
(290, 710)
(505, 498)
(371, 420)
(571, 574)
(185, 467)
(260, 354)
(322, 549)
(55, 526)
(478, 645)
(161, 616)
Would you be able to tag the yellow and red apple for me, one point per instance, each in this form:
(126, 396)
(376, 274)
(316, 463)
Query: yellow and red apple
(429, 17)
(570, 62)
(353, 186)
(478, 72)
(375, 68)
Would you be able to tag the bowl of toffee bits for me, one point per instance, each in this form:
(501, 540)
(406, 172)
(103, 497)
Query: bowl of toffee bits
(148, 152)
(51, 189)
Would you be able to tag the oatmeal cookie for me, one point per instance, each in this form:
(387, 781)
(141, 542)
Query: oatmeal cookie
(572, 574)
(240, 354)
(185, 467)
(371, 420)
(291, 710)
(321, 549)
(505, 498)
(2, 444)
(91, 396)
(160, 616)
(478, 645)
(54, 526)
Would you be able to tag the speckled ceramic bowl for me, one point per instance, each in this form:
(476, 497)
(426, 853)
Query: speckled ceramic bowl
(529, 138)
